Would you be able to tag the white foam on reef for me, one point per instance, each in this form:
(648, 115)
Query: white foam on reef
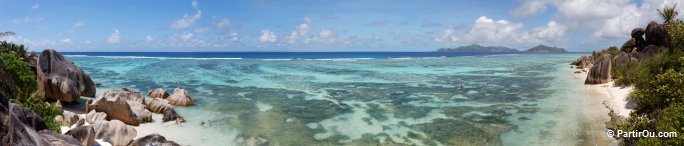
(359, 123)
(283, 59)
(339, 59)
(458, 96)
(263, 106)
(161, 58)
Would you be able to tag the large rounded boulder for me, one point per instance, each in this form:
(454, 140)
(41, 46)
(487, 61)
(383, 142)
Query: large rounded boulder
(84, 134)
(650, 51)
(157, 105)
(158, 93)
(623, 58)
(600, 72)
(180, 97)
(583, 62)
(656, 34)
(60, 79)
(115, 132)
(638, 36)
(629, 45)
(125, 105)
(153, 139)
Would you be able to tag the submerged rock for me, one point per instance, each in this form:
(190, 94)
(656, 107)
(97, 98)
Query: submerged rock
(84, 134)
(252, 140)
(171, 115)
(114, 132)
(180, 97)
(153, 140)
(158, 93)
(600, 72)
(60, 79)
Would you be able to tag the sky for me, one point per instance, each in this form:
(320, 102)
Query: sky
(323, 25)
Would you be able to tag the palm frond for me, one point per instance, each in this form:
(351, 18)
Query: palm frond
(7, 33)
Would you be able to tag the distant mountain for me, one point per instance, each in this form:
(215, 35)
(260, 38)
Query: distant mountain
(542, 48)
(478, 48)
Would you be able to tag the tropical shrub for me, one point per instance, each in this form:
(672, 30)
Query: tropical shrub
(20, 84)
(626, 74)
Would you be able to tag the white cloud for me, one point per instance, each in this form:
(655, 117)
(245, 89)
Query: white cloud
(608, 19)
(530, 7)
(78, 24)
(194, 4)
(66, 41)
(326, 36)
(186, 21)
(149, 39)
(299, 31)
(447, 35)
(114, 37)
(203, 29)
(505, 33)
(488, 31)
(38, 44)
(222, 23)
(553, 32)
(35, 6)
(27, 20)
(234, 37)
(267, 36)
(186, 36)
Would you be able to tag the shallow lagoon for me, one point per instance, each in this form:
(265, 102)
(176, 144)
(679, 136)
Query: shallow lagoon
(513, 99)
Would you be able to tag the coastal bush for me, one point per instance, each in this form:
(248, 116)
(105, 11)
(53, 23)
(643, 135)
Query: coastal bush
(675, 30)
(671, 119)
(20, 84)
(612, 51)
(18, 49)
(19, 74)
(626, 74)
(657, 83)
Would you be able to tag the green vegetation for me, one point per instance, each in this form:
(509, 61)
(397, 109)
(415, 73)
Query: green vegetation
(625, 74)
(659, 89)
(6, 33)
(668, 13)
(612, 51)
(20, 83)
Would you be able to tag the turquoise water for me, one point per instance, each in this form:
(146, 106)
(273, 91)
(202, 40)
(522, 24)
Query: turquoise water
(510, 99)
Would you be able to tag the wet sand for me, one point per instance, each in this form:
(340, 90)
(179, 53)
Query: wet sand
(599, 100)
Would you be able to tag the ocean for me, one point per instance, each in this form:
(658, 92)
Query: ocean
(357, 98)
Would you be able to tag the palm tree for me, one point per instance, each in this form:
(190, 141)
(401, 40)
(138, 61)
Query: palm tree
(668, 13)
(7, 33)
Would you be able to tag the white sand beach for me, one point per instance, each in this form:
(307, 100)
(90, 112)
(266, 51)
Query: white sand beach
(599, 100)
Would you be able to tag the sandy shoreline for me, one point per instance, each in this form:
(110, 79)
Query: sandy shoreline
(599, 101)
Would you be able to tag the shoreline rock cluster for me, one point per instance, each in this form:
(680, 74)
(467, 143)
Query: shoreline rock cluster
(109, 117)
(635, 49)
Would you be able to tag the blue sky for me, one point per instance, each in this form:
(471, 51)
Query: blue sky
(327, 25)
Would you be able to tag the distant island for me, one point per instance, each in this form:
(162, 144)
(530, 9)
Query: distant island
(478, 48)
(542, 48)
